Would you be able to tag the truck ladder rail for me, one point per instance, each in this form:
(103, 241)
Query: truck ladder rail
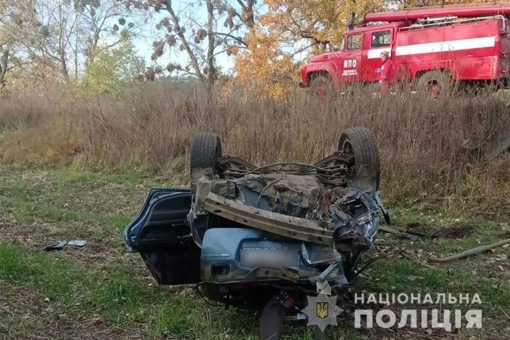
(434, 22)
(447, 4)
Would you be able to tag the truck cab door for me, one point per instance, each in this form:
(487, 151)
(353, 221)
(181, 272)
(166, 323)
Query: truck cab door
(376, 43)
(351, 63)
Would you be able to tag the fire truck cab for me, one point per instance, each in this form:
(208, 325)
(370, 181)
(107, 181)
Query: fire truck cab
(434, 46)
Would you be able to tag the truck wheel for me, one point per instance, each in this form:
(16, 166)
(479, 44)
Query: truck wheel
(435, 84)
(205, 150)
(321, 86)
(360, 143)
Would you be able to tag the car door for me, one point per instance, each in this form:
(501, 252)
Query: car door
(351, 64)
(161, 234)
(376, 42)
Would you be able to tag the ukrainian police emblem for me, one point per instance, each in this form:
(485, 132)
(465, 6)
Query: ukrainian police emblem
(322, 311)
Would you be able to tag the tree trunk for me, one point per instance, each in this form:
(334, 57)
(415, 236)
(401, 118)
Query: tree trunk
(211, 71)
(4, 60)
(63, 65)
(62, 43)
(187, 47)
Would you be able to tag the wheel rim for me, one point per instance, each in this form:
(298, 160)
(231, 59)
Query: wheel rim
(218, 153)
(218, 149)
(347, 149)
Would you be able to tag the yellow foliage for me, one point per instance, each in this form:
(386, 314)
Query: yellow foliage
(322, 20)
(262, 69)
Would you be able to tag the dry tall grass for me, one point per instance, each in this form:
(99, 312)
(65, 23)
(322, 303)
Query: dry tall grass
(424, 144)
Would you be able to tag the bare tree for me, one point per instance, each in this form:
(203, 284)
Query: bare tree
(201, 39)
(61, 35)
(5, 41)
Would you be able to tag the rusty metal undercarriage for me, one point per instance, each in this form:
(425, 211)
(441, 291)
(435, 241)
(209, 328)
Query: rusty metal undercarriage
(310, 202)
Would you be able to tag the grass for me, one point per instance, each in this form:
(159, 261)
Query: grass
(115, 297)
(101, 291)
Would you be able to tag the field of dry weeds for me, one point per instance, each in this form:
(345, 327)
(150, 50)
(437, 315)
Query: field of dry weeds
(430, 149)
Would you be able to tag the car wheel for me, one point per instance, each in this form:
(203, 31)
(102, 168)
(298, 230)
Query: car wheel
(205, 151)
(360, 143)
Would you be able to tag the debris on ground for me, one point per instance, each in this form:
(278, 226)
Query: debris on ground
(61, 244)
(471, 252)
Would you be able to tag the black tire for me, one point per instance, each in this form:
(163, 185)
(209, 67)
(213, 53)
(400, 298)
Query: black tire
(360, 143)
(271, 320)
(205, 150)
(429, 80)
(321, 82)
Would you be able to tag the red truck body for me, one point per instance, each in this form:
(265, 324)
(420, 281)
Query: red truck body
(469, 43)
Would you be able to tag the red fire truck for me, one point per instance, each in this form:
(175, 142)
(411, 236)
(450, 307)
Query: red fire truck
(435, 46)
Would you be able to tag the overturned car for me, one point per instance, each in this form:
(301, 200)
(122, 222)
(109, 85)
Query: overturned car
(264, 238)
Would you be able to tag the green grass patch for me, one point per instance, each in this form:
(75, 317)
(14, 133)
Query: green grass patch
(121, 299)
(117, 297)
(403, 276)
(97, 206)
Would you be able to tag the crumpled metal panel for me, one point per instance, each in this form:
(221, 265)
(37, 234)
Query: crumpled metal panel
(295, 206)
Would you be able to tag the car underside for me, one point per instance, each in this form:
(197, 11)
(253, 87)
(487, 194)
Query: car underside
(264, 237)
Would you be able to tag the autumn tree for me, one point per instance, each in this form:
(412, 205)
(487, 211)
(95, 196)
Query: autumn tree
(317, 23)
(288, 32)
(263, 68)
(322, 23)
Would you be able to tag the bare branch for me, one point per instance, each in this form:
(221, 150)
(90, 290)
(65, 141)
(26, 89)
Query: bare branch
(303, 49)
(243, 6)
(180, 33)
(238, 39)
